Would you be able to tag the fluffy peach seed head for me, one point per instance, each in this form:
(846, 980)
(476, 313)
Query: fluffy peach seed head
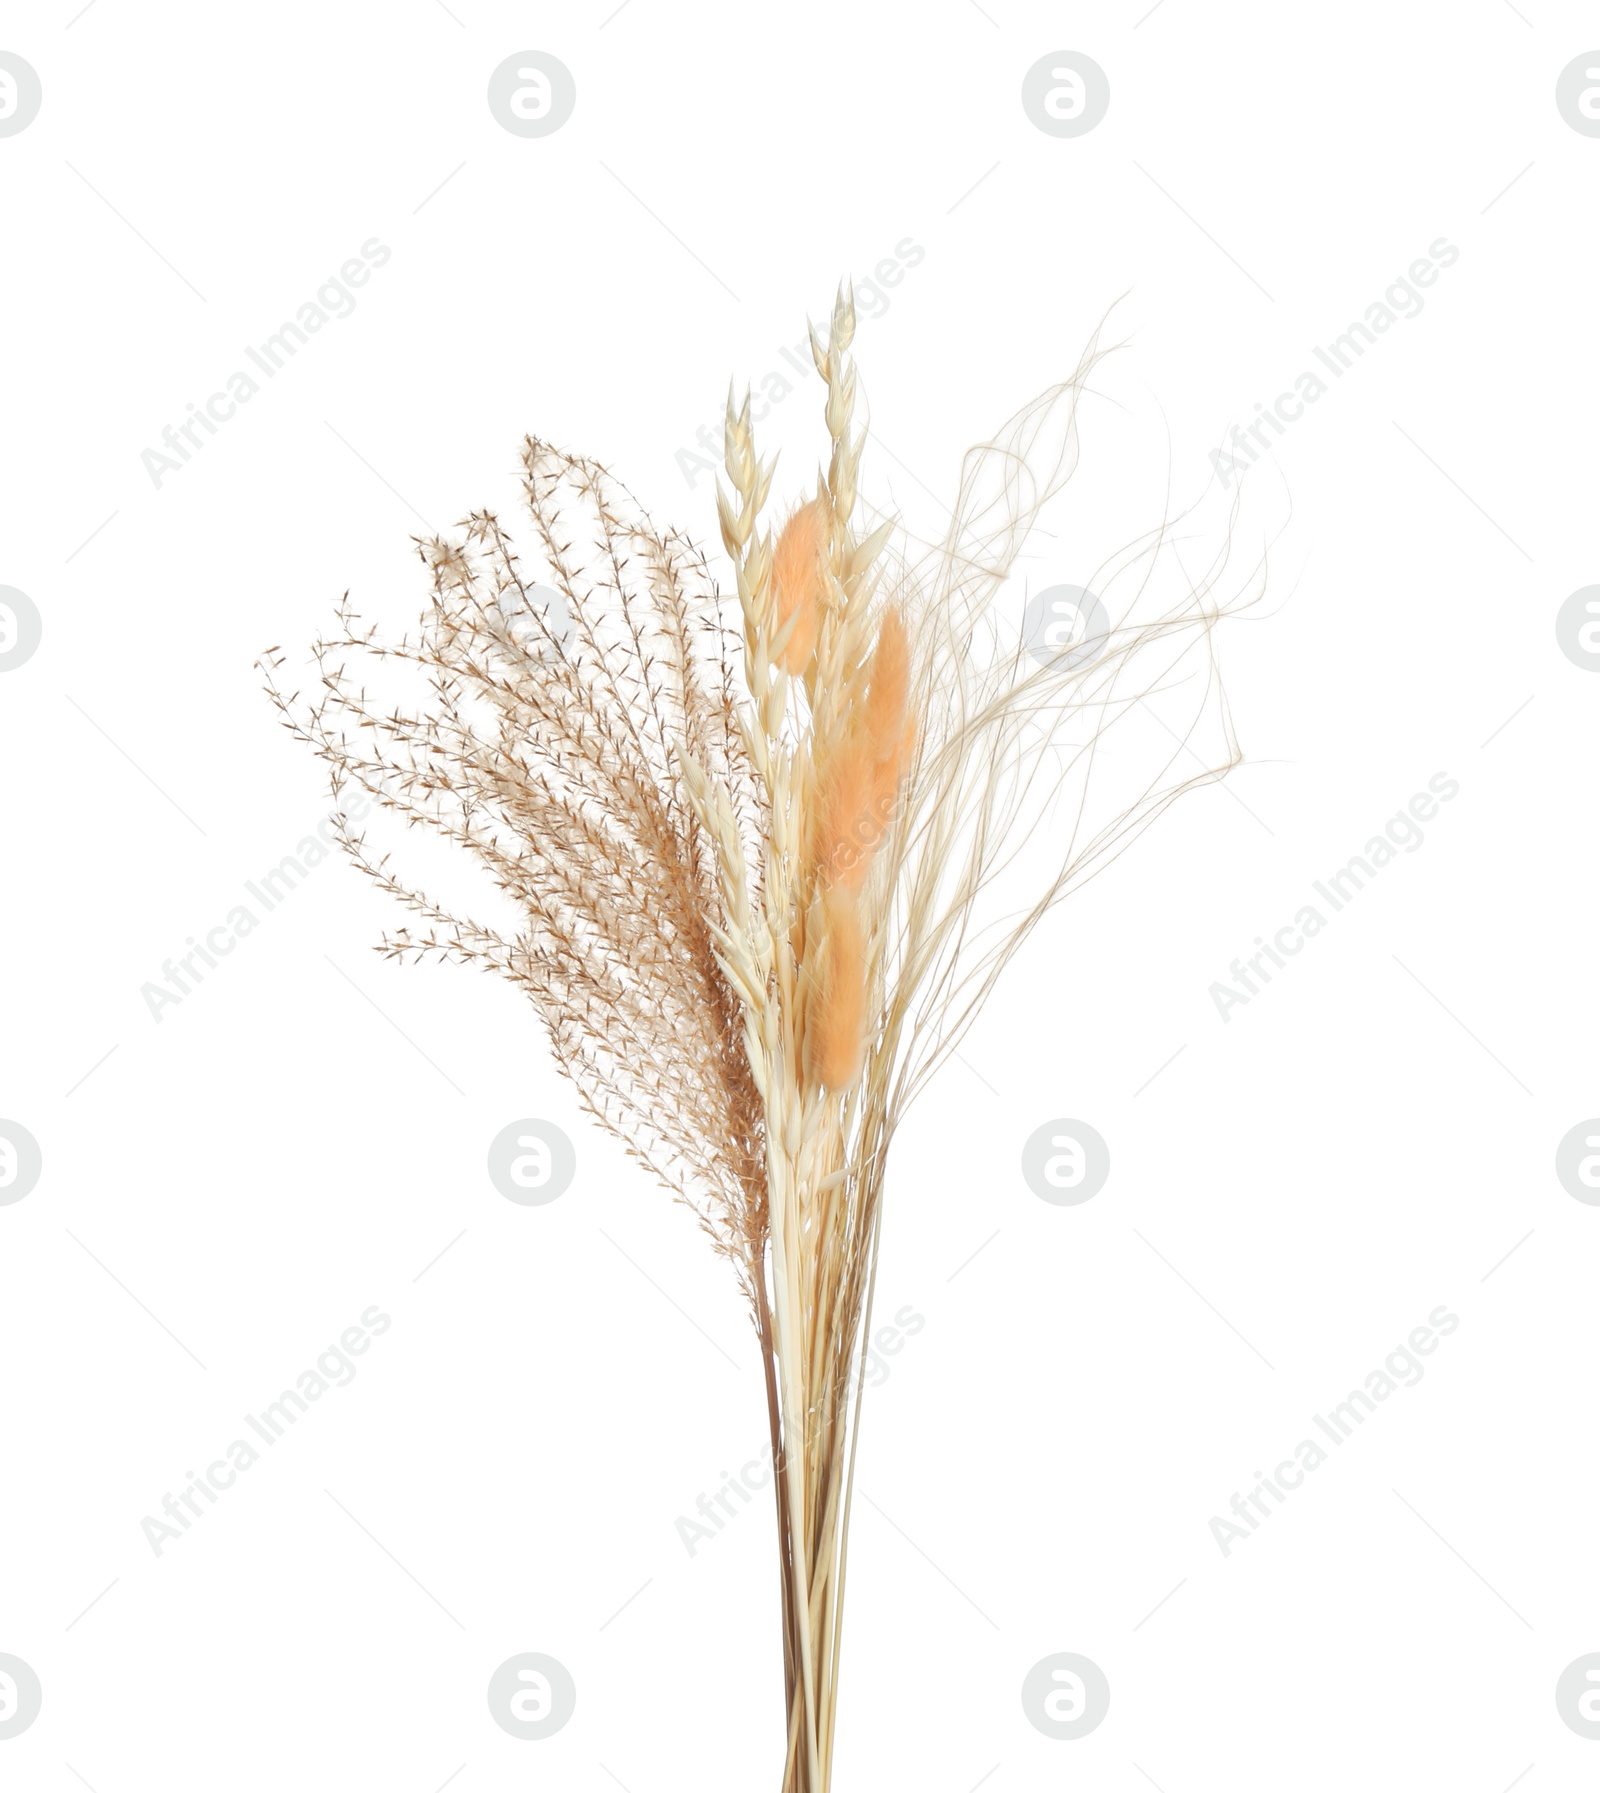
(889, 773)
(798, 563)
(888, 685)
(845, 834)
(836, 1000)
(858, 785)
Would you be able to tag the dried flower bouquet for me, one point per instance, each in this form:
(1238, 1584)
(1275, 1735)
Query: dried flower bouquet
(748, 854)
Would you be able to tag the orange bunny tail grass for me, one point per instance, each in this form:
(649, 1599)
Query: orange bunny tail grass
(836, 997)
(859, 786)
(847, 831)
(888, 775)
(888, 683)
(797, 572)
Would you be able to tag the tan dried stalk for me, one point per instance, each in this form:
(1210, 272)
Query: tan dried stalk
(763, 870)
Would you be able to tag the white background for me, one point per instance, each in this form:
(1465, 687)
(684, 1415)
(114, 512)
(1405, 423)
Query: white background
(303, 1135)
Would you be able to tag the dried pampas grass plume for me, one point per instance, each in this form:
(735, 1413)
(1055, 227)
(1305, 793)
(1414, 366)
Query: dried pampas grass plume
(762, 859)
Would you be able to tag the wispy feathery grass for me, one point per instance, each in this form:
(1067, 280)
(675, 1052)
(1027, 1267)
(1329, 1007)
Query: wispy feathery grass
(767, 858)
(556, 765)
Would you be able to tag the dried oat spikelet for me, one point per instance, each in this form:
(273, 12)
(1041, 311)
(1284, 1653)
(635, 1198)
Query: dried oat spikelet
(751, 554)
